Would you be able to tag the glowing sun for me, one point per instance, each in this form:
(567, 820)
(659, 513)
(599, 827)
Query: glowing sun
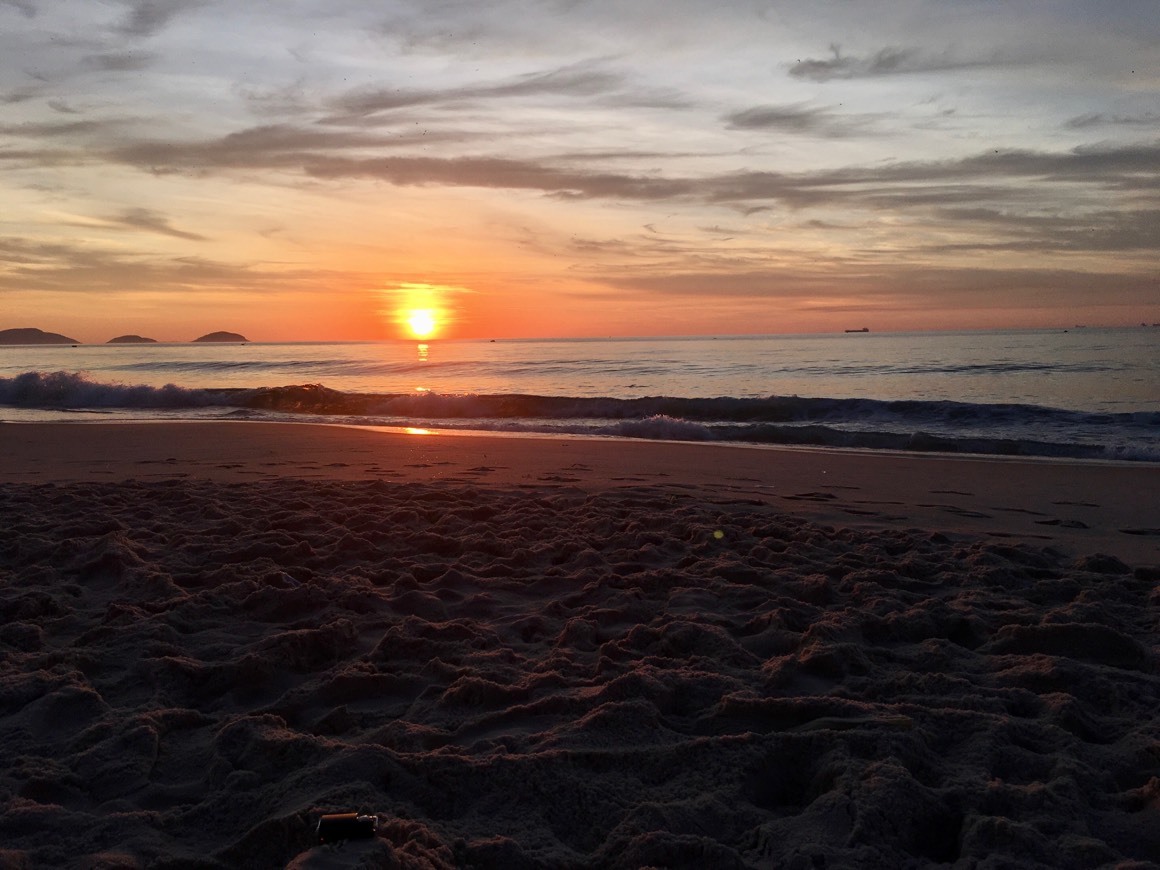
(422, 322)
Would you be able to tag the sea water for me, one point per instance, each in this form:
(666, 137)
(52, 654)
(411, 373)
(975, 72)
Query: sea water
(1083, 393)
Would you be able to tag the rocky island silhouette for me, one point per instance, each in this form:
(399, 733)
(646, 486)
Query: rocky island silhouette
(31, 335)
(222, 336)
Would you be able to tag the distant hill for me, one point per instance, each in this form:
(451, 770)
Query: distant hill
(131, 339)
(33, 336)
(222, 336)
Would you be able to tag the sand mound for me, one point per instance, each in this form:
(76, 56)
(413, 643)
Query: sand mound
(193, 672)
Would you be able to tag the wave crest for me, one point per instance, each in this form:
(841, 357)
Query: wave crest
(75, 390)
(912, 425)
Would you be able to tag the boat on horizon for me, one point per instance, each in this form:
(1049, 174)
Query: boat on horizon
(863, 329)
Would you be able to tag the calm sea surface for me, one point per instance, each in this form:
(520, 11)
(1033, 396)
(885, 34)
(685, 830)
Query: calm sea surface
(1090, 393)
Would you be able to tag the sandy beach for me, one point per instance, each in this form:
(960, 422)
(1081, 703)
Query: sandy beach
(569, 653)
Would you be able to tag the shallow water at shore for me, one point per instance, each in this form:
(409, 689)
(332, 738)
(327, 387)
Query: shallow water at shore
(1083, 394)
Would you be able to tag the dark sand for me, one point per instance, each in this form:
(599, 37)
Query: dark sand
(572, 654)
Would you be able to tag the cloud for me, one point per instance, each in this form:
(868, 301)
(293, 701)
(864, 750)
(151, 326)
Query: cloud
(24, 7)
(270, 146)
(1100, 119)
(57, 129)
(150, 17)
(579, 80)
(1124, 231)
(997, 176)
(20, 95)
(896, 285)
(497, 172)
(120, 61)
(33, 266)
(796, 118)
(272, 101)
(154, 222)
(888, 61)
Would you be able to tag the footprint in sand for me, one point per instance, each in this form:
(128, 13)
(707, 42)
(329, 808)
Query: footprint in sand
(1066, 524)
(958, 511)
(811, 496)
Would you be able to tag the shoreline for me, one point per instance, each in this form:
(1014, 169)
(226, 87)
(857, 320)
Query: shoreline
(1078, 506)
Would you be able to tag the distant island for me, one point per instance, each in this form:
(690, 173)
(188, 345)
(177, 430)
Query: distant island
(39, 336)
(222, 336)
(33, 336)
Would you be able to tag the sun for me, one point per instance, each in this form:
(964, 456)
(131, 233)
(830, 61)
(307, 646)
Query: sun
(422, 322)
(419, 312)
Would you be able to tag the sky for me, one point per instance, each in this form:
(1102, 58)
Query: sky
(323, 169)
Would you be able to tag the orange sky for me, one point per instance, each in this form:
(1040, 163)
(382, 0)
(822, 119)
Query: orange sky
(576, 169)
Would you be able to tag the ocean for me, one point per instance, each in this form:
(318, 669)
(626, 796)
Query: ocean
(1078, 393)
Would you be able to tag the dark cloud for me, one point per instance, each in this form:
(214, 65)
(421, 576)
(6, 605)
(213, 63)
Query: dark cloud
(149, 17)
(603, 156)
(1124, 231)
(728, 232)
(1100, 119)
(497, 172)
(826, 225)
(20, 95)
(120, 61)
(1000, 194)
(979, 180)
(580, 80)
(25, 7)
(797, 118)
(57, 129)
(154, 222)
(271, 146)
(898, 285)
(1097, 163)
(28, 265)
(286, 100)
(885, 62)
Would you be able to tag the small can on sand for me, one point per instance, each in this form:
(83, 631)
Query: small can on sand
(346, 826)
